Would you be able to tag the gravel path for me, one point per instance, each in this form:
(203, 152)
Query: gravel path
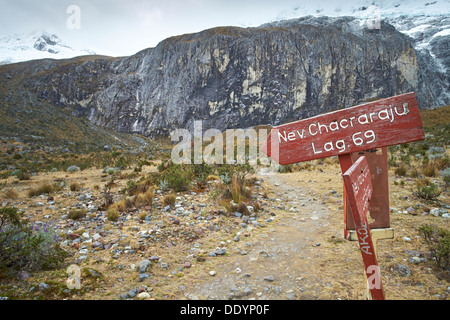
(277, 262)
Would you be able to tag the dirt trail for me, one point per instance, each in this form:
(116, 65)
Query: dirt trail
(279, 261)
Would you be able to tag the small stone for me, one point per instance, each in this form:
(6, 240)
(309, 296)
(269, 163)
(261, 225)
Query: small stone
(73, 236)
(82, 258)
(143, 276)
(23, 275)
(164, 265)
(247, 291)
(435, 212)
(406, 239)
(403, 270)
(212, 273)
(133, 293)
(96, 237)
(43, 286)
(269, 278)
(220, 251)
(143, 295)
(415, 260)
(143, 266)
(290, 296)
(97, 244)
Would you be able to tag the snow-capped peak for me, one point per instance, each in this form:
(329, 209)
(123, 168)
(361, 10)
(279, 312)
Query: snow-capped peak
(39, 44)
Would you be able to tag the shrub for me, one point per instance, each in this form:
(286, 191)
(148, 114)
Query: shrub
(143, 215)
(177, 177)
(225, 177)
(23, 175)
(74, 186)
(436, 152)
(77, 214)
(134, 188)
(25, 246)
(144, 199)
(73, 169)
(130, 202)
(239, 191)
(42, 189)
(438, 241)
(400, 171)
(414, 173)
(212, 178)
(427, 192)
(169, 200)
(122, 162)
(119, 205)
(286, 169)
(446, 175)
(430, 170)
(112, 214)
(242, 208)
(202, 171)
(10, 194)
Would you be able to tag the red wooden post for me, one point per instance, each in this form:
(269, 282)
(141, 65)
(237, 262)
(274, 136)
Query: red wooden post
(358, 185)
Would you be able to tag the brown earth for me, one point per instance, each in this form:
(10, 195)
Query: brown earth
(296, 250)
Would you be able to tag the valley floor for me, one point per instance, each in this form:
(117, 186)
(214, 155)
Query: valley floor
(291, 249)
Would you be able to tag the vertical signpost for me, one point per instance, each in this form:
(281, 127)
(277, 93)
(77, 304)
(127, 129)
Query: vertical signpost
(358, 184)
(351, 134)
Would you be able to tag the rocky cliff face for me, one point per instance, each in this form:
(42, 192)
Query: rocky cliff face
(234, 77)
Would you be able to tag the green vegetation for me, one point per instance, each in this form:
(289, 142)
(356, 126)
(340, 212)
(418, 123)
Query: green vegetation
(26, 246)
(438, 241)
(112, 214)
(77, 214)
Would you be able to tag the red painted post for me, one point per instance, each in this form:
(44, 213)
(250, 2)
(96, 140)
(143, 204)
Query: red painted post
(357, 181)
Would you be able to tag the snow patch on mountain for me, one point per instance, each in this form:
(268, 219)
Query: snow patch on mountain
(37, 45)
(427, 22)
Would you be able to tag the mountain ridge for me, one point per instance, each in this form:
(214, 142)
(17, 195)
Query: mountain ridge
(39, 44)
(231, 77)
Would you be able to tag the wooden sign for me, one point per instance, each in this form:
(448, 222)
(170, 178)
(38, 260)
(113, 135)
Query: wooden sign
(373, 125)
(357, 181)
(379, 204)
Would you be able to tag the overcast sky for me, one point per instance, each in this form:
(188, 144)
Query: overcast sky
(124, 27)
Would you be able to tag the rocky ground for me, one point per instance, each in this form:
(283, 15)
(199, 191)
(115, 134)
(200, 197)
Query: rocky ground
(291, 249)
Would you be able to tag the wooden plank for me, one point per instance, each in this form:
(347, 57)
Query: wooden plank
(373, 125)
(357, 181)
(379, 204)
(358, 185)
